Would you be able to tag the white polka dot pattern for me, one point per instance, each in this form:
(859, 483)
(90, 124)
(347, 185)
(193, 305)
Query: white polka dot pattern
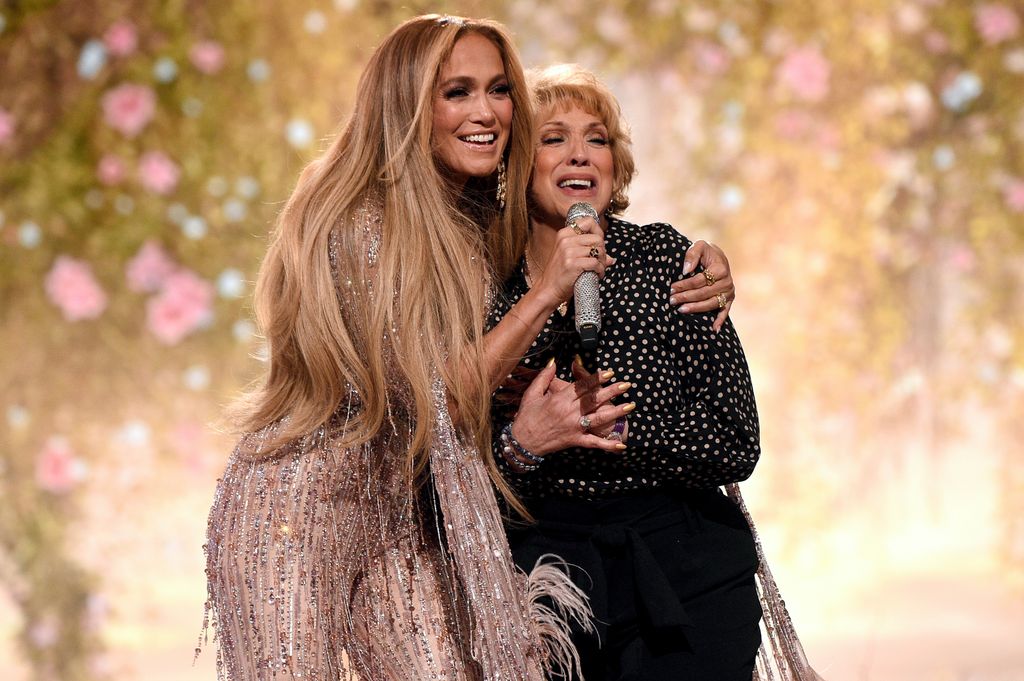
(695, 424)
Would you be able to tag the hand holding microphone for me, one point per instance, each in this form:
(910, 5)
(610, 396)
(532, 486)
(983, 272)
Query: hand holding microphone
(573, 268)
(587, 289)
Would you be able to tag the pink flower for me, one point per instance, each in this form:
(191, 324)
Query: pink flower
(996, 23)
(129, 108)
(207, 56)
(828, 138)
(805, 73)
(181, 307)
(110, 170)
(936, 42)
(71, 286)
(6, 127)
(962, 258)
(121, 38)
(158, 173)
(1013, 194)
(794, 124)
(44, 633)
(58, 470)
(187, 440)
(711, 58)
(149, 269)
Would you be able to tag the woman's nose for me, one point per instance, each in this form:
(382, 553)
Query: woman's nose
(579, 154)
(483, 112)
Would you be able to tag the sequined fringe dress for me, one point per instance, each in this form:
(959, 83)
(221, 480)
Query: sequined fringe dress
(327, 562)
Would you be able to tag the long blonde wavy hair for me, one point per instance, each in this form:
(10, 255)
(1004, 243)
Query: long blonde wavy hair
(440, 248)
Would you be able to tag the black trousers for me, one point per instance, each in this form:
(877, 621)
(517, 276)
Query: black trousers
(670, 576)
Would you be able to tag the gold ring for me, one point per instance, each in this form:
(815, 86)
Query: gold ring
(709, 277)
(594, 253)
(722, 300)
(575, 227)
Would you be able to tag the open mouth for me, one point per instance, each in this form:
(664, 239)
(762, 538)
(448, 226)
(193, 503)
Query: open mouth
(576, 183)
(482, 140)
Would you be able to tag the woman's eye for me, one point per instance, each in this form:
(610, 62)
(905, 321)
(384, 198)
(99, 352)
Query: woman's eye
(598, 141)
(552, 139)
(504, 89)
(455, 92)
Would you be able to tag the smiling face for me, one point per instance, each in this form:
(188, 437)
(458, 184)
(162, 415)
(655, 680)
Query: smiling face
(472, 110)
(573, 163)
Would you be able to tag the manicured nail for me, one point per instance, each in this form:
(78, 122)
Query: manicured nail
(577, 361)
(550, 362)
(674, 300)
(629, 407)
(620, 447)
(606, 375)
(686, 268)
(624, 386)
(685, 308)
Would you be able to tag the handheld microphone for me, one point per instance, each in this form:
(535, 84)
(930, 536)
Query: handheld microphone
(587, 289)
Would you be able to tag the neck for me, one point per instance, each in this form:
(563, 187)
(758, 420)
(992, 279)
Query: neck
(542, 240)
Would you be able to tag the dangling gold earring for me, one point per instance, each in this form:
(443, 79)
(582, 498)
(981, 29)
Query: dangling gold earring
(502, 184)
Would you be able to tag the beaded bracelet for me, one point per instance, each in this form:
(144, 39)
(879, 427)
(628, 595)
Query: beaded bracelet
(514, 453)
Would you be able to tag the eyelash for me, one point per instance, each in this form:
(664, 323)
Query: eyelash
(600, 141)
(501, 90)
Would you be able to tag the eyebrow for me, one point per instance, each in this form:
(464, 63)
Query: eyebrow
(596, 125)
(470, 80)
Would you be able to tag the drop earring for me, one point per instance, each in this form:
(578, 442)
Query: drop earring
(502, 185)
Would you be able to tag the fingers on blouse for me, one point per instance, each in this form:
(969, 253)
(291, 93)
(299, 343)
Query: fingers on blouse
(705, 292)
(551, 410)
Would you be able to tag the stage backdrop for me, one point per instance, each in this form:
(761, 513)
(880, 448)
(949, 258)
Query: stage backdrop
(861, 162)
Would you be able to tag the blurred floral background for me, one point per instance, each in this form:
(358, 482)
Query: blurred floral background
(861, 161)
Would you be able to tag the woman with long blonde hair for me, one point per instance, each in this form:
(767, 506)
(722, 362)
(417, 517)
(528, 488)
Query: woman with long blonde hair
(355, 531)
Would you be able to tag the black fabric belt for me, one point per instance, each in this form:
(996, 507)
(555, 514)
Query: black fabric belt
(605, 543)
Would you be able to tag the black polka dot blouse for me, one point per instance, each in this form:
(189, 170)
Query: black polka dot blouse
(695, 424)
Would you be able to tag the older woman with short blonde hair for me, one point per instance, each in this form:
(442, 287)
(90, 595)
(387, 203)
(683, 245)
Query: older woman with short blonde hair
(667, 560)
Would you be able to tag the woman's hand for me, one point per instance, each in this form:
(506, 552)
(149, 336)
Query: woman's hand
(712, 289)
(551, 409)
(575, 251)
(587, 385)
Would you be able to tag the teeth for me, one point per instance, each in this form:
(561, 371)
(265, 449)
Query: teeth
(489, 137)
(584, 184)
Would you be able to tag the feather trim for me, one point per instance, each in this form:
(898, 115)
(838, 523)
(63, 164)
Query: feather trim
(555, 601)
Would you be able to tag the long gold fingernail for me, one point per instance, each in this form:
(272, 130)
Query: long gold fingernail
(629, 407)
(578, 361)
(624, 386)
(550, 362)
(606, 375)
(620, 446)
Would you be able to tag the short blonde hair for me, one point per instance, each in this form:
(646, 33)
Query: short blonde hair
(560, 86)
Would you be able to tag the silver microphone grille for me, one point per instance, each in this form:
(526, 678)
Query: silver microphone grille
(580, 209)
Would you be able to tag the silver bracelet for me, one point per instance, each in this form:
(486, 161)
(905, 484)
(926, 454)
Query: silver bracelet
(514, 453)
